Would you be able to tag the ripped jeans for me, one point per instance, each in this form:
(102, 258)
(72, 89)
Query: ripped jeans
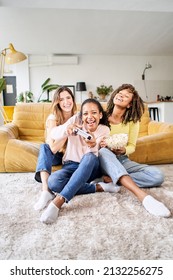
(143, 175)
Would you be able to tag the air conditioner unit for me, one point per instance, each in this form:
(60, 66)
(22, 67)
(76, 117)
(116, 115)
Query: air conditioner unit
(55, 59)
(64, 59)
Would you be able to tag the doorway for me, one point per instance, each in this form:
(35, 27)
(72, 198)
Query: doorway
(9, 93)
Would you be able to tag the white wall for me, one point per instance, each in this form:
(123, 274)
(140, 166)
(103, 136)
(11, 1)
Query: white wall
(95, 70)
(110, 70)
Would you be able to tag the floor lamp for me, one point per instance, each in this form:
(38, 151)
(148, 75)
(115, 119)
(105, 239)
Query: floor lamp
(147, 66)
(10, 56)
(81, 86)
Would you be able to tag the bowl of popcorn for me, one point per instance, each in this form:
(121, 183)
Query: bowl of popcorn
(117, 141)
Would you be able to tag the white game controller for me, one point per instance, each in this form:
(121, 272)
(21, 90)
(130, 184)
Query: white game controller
(82, 133)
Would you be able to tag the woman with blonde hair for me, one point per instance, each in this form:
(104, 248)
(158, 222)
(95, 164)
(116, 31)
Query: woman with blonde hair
(63, 107)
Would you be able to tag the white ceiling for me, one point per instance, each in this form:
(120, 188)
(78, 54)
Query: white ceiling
(110, 27)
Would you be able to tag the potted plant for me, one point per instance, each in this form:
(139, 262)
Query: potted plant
(103, 91)
(2, 84)
(26, 96)
(46, 87)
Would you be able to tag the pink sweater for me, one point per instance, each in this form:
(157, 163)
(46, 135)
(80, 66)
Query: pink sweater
(76, 146)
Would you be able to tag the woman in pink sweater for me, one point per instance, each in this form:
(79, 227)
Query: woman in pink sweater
(80, 160)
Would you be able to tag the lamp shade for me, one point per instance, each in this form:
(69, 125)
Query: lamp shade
(81, 86)
(14, 56)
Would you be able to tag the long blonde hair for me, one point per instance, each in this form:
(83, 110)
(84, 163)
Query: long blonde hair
(56, 109)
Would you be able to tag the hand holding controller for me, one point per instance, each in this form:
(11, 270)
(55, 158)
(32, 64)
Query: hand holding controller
(82, 133)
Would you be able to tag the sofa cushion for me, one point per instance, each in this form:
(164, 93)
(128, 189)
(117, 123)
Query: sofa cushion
(143, 128)
(30, 119)
(154, 149)
(155, 127)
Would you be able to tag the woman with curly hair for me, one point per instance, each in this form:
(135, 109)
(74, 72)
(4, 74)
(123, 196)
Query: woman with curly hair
(80, 160)
(124, 112)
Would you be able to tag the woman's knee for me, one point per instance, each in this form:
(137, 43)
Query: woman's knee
(89, 157)
(155, 174)
(102, 151)
(90, 161)
(52, 182)
(159, 176)
(43, 147)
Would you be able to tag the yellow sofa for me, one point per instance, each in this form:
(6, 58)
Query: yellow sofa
(20, 139)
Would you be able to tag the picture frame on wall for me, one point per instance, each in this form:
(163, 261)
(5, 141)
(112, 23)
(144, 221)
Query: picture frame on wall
(71, 87)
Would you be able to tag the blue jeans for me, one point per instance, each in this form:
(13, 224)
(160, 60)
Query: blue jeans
(46, 159)
(143, 175)
(73, 179)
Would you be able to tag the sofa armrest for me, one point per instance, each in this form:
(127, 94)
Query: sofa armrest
(10, 130)
(154, 149)
(7, 132)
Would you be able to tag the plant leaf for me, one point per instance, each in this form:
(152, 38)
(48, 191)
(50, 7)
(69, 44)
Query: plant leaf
(2, 84)
(50, 87)
(45, 83)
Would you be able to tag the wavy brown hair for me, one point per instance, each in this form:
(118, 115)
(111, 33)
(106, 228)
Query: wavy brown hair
(56, 109)
(136, 110)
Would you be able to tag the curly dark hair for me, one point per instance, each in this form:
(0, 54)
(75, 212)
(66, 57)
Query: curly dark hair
(136, 110)
(104, 119)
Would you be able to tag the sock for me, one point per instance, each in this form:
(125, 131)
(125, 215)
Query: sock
(43, 200)
(97, 180)
(50, 214)
(109, 187)
(155, 207)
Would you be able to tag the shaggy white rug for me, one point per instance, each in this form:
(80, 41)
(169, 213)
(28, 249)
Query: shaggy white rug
(91, 227)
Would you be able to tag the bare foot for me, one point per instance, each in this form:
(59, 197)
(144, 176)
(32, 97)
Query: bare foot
(107, 179)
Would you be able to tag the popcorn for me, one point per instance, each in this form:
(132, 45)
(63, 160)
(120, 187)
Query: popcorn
(117, 141)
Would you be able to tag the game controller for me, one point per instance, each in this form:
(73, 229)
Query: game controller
(82, 133)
